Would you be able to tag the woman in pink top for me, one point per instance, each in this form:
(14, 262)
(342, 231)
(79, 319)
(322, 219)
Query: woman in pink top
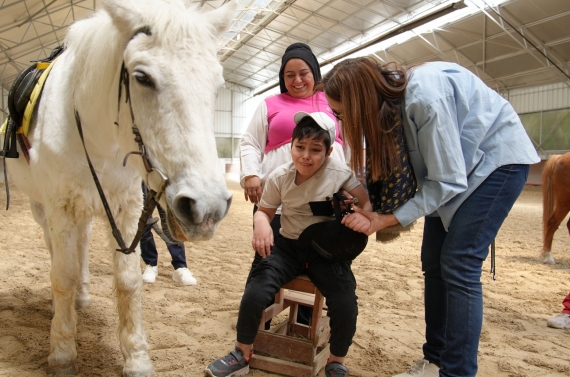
(267, 142)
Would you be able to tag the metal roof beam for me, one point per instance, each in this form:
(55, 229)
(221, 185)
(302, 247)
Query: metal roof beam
(392, 33)
(537, 41)
(266, 21)
(532, 52)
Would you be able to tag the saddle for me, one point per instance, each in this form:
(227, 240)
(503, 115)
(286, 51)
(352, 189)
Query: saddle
(23, 96)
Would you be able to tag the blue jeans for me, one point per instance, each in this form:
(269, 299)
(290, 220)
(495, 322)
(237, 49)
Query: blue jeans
(148, 248)
(452, 262)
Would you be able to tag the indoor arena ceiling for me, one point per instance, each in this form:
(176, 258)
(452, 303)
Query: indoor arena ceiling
(509, 44)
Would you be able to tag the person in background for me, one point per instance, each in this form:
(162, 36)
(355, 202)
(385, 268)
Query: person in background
(267, 142)
(562, 320)
(470, 155)
(149, 254)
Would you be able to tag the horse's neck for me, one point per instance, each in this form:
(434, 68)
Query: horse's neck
(99, 93)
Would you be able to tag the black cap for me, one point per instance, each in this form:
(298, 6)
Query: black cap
(300, 51)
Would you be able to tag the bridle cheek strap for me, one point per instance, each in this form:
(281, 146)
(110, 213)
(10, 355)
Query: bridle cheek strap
(156, 180)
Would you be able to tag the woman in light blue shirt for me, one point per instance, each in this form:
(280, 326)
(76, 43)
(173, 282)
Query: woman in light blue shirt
(470, 155)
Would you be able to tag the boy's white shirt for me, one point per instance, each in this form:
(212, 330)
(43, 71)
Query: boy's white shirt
(296, 214)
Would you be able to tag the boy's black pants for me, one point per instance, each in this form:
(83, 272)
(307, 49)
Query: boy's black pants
(288, 259)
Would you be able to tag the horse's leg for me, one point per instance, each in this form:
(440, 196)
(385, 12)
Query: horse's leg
(38, 213)
(83, 298)
(128, 289)
(551, 227)
(39, 216)
(66, 229)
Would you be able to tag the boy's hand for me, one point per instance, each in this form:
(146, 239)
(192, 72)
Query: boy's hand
(356, 221)
(376, 221)
(262, 240)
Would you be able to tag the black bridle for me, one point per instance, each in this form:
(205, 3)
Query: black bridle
(156, 181)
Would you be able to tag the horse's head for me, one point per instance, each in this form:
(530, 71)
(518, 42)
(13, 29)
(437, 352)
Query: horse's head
(174, 77)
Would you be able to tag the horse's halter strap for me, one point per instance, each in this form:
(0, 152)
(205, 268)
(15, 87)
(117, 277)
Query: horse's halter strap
(156, 180)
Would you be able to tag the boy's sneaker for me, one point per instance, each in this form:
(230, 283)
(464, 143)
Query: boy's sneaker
(233, 364)
(336, 370)
(183, 276)
(150, 273)
(422, 368)
(561, 321)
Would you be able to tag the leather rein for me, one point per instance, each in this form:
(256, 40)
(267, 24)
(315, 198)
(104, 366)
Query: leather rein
(156, 181)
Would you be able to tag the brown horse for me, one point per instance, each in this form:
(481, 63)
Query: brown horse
(555, 199)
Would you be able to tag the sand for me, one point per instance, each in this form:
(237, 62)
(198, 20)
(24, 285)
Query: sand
(188, 327)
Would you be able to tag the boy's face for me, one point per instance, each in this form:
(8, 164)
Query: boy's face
(308, 155)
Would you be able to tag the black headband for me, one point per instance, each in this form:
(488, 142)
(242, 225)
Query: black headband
(299, 51)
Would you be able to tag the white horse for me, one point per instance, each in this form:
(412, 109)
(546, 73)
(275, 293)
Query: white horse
(168, 49)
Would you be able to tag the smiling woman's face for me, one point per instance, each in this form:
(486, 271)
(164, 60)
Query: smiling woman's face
(298, 78)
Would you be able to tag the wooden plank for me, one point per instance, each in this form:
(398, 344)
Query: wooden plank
(300, 329)
(284, 367)
(285, 347)
(301, 283)
(307, 299)
(280, 328)
(323, 333)
(321, 360)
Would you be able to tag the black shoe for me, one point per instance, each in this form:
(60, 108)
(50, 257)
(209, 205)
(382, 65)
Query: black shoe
(233, 364)
(336, 370)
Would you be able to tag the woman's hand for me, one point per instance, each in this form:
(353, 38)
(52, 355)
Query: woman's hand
(376, 221)
(252, 189)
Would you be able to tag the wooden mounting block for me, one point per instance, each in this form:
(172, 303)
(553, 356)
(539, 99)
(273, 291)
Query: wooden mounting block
(291, 348)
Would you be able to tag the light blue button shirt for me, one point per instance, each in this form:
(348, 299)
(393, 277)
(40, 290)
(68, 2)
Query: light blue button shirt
(458, 131)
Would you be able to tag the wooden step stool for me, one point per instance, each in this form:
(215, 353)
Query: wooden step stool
(291, 348)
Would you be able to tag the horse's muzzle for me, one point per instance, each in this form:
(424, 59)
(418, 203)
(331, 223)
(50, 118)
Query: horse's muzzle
(193, 220)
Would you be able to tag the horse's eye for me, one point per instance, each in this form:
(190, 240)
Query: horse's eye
(143, 79)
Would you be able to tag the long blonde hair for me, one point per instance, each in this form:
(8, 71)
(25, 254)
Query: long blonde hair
(371, 97)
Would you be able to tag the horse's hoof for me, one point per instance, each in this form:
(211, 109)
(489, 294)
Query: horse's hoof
(82, 302)
(65, 369)
(548, 258)
(138, 373)
(138, 367)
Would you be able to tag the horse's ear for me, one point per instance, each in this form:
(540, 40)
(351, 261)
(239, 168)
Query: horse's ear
(126, 15)
(221, 18)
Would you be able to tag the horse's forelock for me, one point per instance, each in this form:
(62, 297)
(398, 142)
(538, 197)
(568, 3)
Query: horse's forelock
(175, 26)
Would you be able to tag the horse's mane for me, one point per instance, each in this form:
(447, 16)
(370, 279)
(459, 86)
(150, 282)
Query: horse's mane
(96, 40)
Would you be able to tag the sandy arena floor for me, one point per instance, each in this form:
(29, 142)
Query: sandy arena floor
(188, 327)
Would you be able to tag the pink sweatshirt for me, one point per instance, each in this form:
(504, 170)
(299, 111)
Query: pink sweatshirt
(280, 111)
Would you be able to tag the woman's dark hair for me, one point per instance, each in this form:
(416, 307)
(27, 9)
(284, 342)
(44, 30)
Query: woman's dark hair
(308, 128)
(371, 96)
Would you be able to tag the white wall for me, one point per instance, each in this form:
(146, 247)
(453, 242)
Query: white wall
(540, 98)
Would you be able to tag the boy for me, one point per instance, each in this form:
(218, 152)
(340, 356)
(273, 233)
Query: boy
(311, 176)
